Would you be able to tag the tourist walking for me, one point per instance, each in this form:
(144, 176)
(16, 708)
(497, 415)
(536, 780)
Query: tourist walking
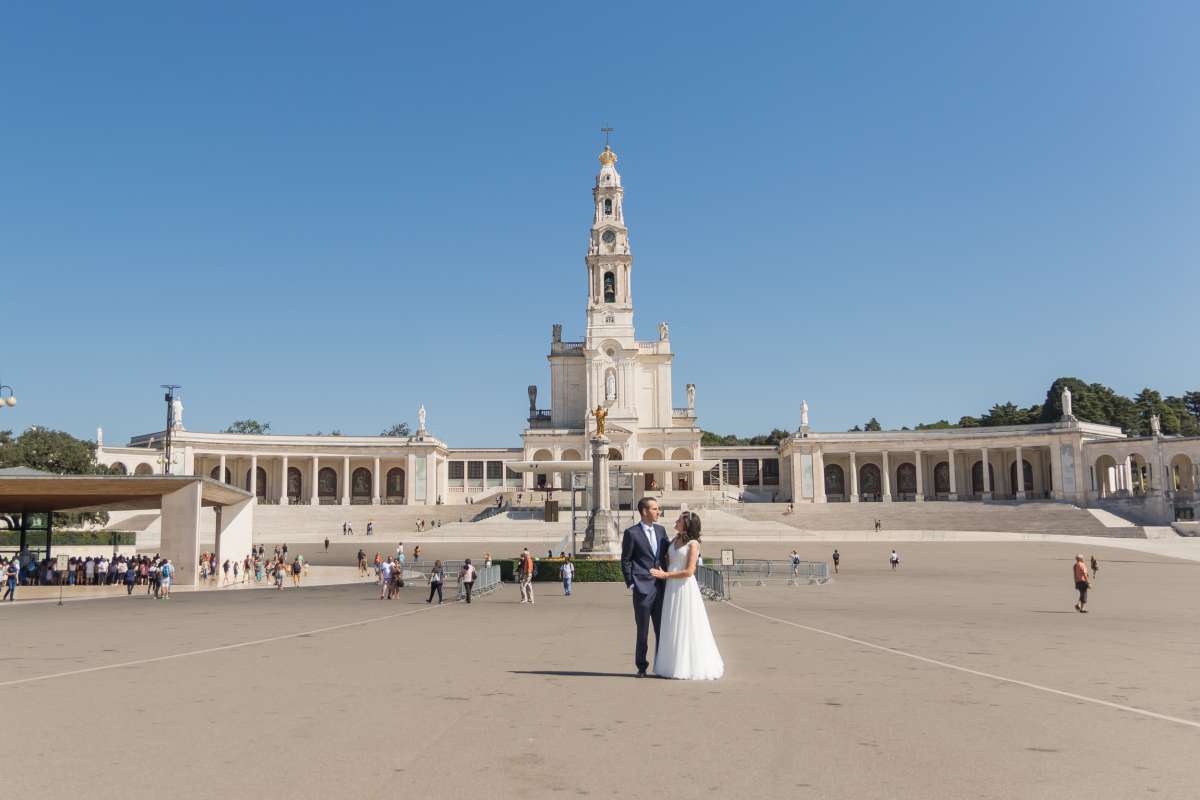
(878, 526)
(1082, 584)
(567, 573)
(525, 576)
(297, 568)
(436, 576)
(10, 580)
(225, 568)
(370, 527)
(417, 554)
(837, 559)
(400, 553)
(894, 558)
(362, 563)
(130, 579)
(795, 564)
(326, 544)
(466, 578)
(385, 579)
(1095, 568)
(165, 573)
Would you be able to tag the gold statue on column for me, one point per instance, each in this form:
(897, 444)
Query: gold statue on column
(600, 414)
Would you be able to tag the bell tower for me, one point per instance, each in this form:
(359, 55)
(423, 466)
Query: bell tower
(609, 261)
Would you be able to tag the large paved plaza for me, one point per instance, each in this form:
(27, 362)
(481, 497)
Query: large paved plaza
(945, 679)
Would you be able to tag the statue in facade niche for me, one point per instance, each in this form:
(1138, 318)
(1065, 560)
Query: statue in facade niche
(610, 386)
(532, 399)
(664, 331)
(556, 332)
(691, 394)
(1066, 404)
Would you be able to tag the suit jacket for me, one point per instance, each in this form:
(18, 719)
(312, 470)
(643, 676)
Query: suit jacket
(637, 559)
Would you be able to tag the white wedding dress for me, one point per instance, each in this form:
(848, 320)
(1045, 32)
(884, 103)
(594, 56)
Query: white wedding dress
(685, 649)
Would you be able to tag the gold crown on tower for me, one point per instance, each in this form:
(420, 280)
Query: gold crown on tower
(608, 156)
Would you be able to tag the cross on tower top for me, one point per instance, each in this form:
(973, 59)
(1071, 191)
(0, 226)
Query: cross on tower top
(606, 132)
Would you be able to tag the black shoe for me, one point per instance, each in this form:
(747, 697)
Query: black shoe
(641, 673)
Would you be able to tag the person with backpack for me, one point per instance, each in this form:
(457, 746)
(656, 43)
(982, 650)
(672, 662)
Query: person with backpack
(436, 576)
(165, 573)
(795, 564)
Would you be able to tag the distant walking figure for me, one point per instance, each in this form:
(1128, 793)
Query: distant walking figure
(895, 559)
(878, 526)
(1095, 568)
(466, 578)
(1080, 573)
(525, 576)
(567, 573)
(837, 559)
(795, 564)
(326, 544)
(436, 576)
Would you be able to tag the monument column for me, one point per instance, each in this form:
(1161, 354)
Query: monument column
(887, 481)
(953, 476)
(375, 483)
(313, 492)
(920, 498)
(345, 480)
(601, 537)
(853, 478)
(1020, 470)
(985, 475)
(283, 481)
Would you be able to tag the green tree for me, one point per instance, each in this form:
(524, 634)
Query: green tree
(57, 452)
(872, 425)
(941, 424)
(251, 426)
(400, 429)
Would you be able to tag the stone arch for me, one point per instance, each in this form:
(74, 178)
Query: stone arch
(143, 469)
(295, 484)
(614, 454)
(835, 481)
(542, 479)
(941, 478)
(327, 482)
(260, 488)
(610, 287)
(1106, 476)
(906, 479)
(1027, 469)
(681, 480)
(1183, 474)
(215, 474)
(652, 481)
(394, 485)
(117, 468)
(1140, 474)
(360, 483)
(977, 477)
(870, 481)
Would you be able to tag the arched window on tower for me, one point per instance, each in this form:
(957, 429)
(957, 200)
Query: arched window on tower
(610, 287)
(608, 206)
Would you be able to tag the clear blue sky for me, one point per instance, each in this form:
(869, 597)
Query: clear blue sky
(321, 215)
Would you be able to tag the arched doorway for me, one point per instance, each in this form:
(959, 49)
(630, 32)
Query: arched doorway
(941, 478)
(394, 490)
(835, 482)
(216, 475)
(569, 455)
(1140, 474)
(117, 468)
(1183, 474)
(906, 481)
(360, 486)
(650, 481)
(260, 485)
(143, 469)
(541, 480)
(295, 482)
(682, 480)
(1106, 478)
(870, 484)
(1027, 476)
(614, 454)
(327, 485)
(977, 478)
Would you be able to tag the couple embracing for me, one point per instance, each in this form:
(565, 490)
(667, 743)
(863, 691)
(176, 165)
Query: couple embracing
(661, 573)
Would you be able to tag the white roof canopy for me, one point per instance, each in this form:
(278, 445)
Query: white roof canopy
(638, 467)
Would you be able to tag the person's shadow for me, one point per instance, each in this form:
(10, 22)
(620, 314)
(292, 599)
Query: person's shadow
(566, 673)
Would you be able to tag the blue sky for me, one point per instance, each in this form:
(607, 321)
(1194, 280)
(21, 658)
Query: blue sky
(322, 215)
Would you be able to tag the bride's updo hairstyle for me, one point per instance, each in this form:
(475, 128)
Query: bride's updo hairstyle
(693, 527)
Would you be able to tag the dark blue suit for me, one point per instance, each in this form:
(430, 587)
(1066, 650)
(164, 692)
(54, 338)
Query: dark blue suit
(637, 559)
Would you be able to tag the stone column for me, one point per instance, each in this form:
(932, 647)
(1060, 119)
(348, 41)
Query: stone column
(283, 481)
(887, 481)
(221, 472)
(853, 478)
(443, 473)
(1020, 489)
(375, 483)
(760, 479)
(410, 478)
(818, 475)
(313, 496)
(555, 477)
(601, 537)
(986, 474)
(345, 480)
(953, 476)
(920, 498)
(252, 483)
(431, 484)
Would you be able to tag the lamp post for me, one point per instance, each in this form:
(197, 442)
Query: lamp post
(170, 398)
(10, 400)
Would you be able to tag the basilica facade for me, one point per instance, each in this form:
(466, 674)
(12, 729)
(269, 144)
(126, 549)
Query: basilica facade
(628, 382)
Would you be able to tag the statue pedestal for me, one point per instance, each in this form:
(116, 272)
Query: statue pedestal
(602, 538)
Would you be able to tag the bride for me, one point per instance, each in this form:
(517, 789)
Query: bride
(685, 647)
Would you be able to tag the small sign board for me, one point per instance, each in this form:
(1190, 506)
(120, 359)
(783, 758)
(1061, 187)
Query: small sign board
(60, 562)
(727, 557)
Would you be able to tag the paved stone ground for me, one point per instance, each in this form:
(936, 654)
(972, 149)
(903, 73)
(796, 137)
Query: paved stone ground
(328, 691)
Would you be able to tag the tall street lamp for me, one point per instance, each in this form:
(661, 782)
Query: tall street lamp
(170, 398)
(10, 400)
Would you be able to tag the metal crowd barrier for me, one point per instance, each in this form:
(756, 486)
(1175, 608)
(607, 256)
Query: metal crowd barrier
(487, 580)
(712, 582)
(762, 572)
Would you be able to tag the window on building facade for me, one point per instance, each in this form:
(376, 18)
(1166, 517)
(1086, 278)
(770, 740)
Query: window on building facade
(712, 477)
(750, 471)
(456, 470)
(732, 473)
(610, 287)
(475, 470)
(607, 207)
(770, 471)
(494, 470)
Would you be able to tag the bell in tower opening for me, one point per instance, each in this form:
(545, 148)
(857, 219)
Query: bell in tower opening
(610, 288)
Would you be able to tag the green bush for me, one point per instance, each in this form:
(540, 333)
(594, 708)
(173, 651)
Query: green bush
(586, 571)
(90, 538)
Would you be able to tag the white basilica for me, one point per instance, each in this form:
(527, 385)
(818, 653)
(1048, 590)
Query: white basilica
(631, 382)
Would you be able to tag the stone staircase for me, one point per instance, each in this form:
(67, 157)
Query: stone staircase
(1026, 517)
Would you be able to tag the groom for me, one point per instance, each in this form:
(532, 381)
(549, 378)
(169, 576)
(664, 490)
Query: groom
(643, 547)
